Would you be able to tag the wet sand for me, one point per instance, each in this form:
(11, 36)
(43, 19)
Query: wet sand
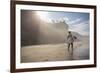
(54, 52)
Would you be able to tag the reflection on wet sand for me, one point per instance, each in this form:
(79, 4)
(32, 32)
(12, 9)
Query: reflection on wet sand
(53, 52)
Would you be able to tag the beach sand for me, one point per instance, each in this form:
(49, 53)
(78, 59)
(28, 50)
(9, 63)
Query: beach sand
(54, 52)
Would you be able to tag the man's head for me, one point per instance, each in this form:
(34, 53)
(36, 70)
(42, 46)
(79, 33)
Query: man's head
(69, 32)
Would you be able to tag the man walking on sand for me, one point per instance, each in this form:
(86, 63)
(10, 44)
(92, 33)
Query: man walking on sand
(70, 40)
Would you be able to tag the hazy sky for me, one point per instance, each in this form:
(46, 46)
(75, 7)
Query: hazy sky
(78, 22)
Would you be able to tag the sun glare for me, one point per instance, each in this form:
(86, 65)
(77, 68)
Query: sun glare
(42, 15)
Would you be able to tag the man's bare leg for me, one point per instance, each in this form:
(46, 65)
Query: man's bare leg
(72, 47)
(68, 46)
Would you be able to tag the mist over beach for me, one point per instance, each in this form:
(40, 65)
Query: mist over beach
(46, 41)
